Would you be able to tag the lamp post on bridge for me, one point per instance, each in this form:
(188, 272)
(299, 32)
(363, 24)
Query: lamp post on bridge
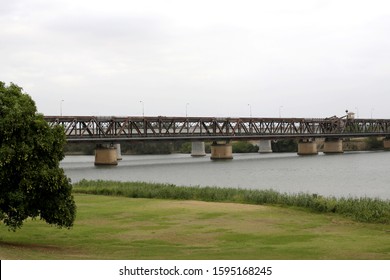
(250, 110)
(62, 100)
(280, 111)
(143, 108)
(187, 109)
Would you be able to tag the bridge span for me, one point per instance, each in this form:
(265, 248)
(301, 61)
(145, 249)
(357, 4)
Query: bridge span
(107, 131)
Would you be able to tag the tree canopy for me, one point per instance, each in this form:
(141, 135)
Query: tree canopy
(32, 184)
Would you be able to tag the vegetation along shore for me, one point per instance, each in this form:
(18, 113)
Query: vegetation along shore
(369, 210)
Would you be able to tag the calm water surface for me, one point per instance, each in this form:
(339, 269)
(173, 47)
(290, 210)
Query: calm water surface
(349, 174)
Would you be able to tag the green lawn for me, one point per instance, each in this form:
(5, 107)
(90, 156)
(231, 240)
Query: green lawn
(109, 227)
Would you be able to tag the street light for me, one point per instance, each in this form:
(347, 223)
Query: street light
(143, 108)
(250, 110)
(187, 109)
(280, 111)
(61, 107)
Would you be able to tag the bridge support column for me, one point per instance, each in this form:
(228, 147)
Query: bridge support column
(106, 155)
(265, 146)
(198, 149)
(333, 146)
(220, 151)
(307, 147)
(386, 144)
(118, 151)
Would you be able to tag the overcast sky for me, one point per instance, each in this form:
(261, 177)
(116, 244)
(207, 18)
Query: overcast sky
(302, 58)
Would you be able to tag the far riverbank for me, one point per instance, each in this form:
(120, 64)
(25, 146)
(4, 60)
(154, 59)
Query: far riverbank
(156, 148)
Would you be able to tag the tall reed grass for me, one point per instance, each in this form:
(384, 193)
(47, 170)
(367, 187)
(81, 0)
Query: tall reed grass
(364, 209)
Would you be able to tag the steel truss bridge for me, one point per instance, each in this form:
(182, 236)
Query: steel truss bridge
(119, 129)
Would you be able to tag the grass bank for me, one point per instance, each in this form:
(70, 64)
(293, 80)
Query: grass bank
(364, 209)
(109, 227)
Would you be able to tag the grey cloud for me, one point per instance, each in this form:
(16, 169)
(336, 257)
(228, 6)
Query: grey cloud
(25, 8)
(103, 29)
(303, 61)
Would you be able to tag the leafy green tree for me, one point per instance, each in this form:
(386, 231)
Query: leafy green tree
(284, 145)
(373, 143)
(31, 182)
(244, 147)
(185, 148)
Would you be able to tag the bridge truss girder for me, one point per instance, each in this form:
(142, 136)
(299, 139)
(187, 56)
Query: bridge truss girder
(91, 128)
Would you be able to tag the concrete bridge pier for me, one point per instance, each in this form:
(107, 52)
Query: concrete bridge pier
(307, 147)
(221, 151)
(118, 151)
(333, 146)
(265, 146)
(106, 155)
(386, 144)
(198, 149)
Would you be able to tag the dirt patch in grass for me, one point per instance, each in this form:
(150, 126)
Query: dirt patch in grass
(231, 207)
(23, 250)
(14, 245)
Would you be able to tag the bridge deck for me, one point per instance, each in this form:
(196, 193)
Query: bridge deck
(117, 129)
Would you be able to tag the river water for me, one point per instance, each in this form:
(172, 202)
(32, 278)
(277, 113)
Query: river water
(355, 174)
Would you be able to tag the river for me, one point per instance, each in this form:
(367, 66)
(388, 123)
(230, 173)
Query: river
(355, 174)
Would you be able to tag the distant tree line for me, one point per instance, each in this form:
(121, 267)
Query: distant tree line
(159, 148)
(285, 146)
(162, 147)
(374, 143)
(131, 148)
